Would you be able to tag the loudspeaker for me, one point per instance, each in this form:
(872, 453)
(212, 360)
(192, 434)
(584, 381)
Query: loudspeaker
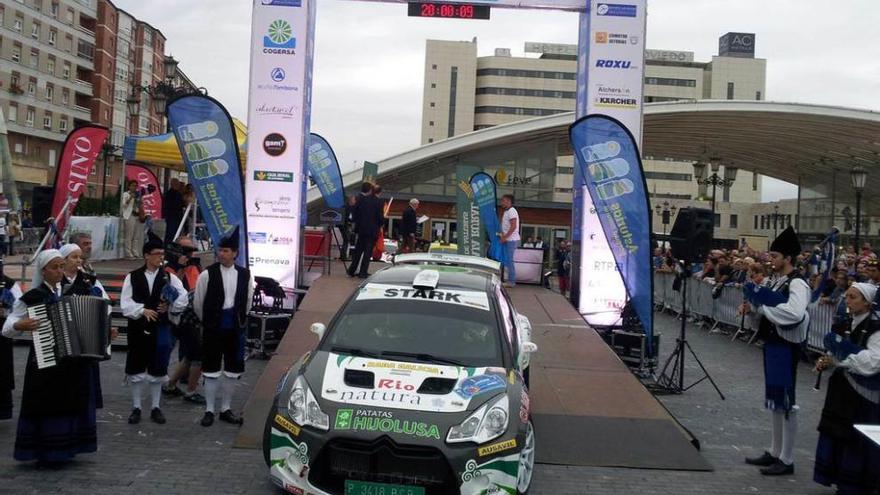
(42, 204)
(691, 236)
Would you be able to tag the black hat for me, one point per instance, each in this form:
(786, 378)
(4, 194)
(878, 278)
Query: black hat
(231, 241)
(153, 242)
(787, 243)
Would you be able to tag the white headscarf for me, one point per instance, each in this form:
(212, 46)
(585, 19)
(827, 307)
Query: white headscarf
(867, 290)
(68, 249)
(43, 259)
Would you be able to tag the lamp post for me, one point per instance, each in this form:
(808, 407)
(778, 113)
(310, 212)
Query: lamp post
(714, 180)
(665, 211)
(775, 221)
(858, 175)
(163, 92)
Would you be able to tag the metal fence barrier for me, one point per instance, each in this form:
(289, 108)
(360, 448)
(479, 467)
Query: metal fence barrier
(722, 311)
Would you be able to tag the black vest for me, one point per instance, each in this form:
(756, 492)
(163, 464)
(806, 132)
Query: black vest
(215, 295)
(140, 293)
(767, 330)
(81, 285)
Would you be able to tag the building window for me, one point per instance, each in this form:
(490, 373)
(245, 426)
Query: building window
(433, 85)
(434, 67)
(50, 92)
(17, 23)
(430, 140)
(47, 121)
(13, 113)
(29, 117)
(730, 91)
(718, 220)
(15, 80)
(756, 222)
(536, 112)
(53, 37)
(453, 92)
(669, 176)
(69, 16)
(35, 31)
(38, 5)
(2, 15)
(54, 9)
(62, 125)
(758, 95)
(571, 76)
(433, 104)
(16, 53)
(32, 87)
(65, 97)
(734, 221)
(541, 93)
(65, 73)
(50, 65)
(431, 123)
(35, 58)
(667, 81)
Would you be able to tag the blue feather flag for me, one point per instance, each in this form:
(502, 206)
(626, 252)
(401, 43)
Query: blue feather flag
(827, 248)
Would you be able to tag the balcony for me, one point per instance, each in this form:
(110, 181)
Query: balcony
(85, 50)
(84, 87)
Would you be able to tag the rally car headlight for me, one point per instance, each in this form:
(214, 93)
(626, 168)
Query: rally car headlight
(304, 409)
(486, 423)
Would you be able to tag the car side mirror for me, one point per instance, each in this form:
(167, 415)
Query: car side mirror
(318, 329)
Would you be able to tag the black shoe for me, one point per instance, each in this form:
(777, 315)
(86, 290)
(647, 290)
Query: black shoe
(779, 468)
(764, 460)
(135, 416)
(363, 275)
(172, 391)
(195, 398)
(230, 417)
(208, 419)
(157, 416)
(350, 274)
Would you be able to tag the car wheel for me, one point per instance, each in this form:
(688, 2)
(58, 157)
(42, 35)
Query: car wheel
(526, 461)
(267, 437)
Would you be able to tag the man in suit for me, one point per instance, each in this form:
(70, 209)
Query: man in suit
(368, 218)
(409, 225)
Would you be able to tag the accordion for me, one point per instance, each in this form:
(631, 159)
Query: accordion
(75, 327)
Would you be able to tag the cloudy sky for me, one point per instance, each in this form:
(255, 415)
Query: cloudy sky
(370, 56)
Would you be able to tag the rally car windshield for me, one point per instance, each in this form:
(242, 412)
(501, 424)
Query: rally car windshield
(418, 332)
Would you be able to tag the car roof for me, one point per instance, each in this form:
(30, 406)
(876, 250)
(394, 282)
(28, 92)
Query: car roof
(450, 276)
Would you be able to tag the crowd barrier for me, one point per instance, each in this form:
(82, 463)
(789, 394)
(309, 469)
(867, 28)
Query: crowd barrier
(723, 309)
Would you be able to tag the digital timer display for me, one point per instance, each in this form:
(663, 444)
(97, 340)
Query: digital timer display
(448, 10)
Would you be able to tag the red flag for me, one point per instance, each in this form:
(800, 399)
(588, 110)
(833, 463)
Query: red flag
(147, 187)
(74, 166)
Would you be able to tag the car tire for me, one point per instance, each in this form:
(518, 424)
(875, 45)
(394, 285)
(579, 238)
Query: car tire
(526, 461)
(267, 438)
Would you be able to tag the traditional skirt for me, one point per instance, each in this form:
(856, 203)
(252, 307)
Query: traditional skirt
(54, 438)
(845, 457)
(780, 373)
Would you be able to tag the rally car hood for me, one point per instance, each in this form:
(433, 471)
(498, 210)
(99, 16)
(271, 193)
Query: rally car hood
(427, 387)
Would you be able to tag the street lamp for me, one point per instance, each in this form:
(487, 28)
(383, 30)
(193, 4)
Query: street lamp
(161, 93)
(714, 180)
(667, 212)
(775, 221)
(858, 175)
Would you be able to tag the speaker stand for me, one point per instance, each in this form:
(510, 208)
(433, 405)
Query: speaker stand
(671, 379)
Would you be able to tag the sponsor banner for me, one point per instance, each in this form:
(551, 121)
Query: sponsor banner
(206, 139)
(324, 169)
(609, 159)
(384, 422)
(471, 299)
(527, 4)
(148, 188)
(397, 384)
(496, 448)
(81, 148)
(371, 172)
(610, 80)
(483, 186)
(287, 425)
(104, 232)
(470, 228)
(282, 44)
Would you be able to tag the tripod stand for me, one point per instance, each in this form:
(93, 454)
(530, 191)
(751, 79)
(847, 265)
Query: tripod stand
(671, 381)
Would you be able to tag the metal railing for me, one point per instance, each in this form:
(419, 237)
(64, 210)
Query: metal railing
(721, 311)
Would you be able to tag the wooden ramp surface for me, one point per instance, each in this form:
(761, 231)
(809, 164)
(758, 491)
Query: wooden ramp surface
(589, 410)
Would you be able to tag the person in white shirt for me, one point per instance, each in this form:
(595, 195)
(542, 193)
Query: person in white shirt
(130, 220)
(222, 301)
(150, 296)
(510, 228)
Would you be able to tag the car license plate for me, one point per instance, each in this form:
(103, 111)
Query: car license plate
(364, 488)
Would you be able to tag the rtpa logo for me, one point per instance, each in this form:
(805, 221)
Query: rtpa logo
(614, 64)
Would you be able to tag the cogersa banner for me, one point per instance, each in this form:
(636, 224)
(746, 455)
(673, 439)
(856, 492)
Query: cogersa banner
(609, 160)
(483, 187)
(470, 226)
(81, 148)
(324, 170)
(279, 105)
(610, 79)
(206, 139)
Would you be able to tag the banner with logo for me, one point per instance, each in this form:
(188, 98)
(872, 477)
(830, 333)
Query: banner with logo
(371, 172)
(610, 79)
(471, 240)
(282, 46)
(608, 157)
(324, 169)
(147, 188)
(486, 198)
(206, 139)
(528, 4)
(81, 148)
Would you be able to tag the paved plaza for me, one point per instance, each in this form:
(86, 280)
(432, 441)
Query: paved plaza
(183, 457)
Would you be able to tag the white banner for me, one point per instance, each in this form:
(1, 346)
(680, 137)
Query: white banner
(279, 106)
(612, 47)
(526, 4)
(104, 232)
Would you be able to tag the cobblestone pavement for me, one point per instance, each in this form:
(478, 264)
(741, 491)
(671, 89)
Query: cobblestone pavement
(183, 457)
